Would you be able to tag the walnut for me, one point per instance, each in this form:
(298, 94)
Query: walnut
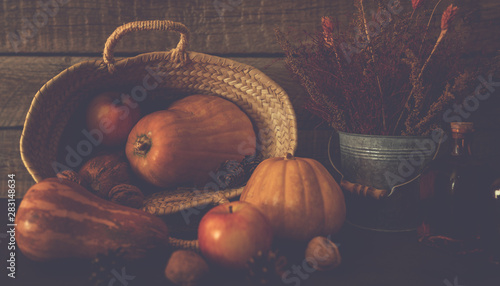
(70, 175)
(104, 171)
(127, 195)
(322, 254)
(186, 267)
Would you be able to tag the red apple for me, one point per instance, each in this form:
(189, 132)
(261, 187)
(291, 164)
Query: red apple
(112, 115)
(230, 234)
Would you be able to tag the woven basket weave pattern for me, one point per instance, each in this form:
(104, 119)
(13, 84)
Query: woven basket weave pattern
(57, 102)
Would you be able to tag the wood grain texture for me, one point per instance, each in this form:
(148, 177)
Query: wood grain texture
(22, 77)
(10, 163)
(217, 26)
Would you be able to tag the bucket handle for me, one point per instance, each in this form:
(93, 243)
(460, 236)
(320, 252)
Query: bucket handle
(367, 191)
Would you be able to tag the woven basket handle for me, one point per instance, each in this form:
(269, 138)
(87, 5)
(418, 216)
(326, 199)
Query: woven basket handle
(178, 54)
(176, 243)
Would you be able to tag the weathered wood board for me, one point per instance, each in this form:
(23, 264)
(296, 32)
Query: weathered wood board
(217, 26)
(10, 163)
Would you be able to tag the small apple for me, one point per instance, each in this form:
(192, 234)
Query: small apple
(230, 234)
(112, 114)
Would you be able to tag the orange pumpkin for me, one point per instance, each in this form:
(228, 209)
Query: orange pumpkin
(299, 196)
(187, 142)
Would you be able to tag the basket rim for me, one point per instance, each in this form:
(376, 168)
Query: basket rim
(98, 64)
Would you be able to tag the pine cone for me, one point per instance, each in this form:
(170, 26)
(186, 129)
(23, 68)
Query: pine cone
(102, 266)
(250, 163)
(231, 174)
(266, 268)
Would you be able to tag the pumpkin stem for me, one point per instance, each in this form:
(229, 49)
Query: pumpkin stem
(289, 156)
(230, 209)
(142, 145)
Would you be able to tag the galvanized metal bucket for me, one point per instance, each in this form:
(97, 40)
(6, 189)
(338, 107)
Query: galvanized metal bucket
(380, 176)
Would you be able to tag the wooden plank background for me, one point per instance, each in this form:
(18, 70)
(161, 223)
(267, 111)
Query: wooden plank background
(39, 39)
(217, 26)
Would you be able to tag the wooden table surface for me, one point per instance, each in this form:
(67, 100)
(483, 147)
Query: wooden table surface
(42, 38)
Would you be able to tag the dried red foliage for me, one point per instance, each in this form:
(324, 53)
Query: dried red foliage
(448, 16)
(391, 79)
(416, 3)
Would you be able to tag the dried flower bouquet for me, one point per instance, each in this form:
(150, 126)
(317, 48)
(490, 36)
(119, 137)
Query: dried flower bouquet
(393, 73)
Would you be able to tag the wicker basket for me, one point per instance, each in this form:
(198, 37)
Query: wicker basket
(54, 122)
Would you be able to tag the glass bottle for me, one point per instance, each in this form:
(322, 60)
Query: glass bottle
(460, 199)
(493, 231)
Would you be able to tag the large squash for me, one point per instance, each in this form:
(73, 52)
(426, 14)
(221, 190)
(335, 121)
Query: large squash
(298, 195)
(61, 219)
(186, 143)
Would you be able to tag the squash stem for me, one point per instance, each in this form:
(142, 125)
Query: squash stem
(142, 145)
(230, 209)
(289, 156)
